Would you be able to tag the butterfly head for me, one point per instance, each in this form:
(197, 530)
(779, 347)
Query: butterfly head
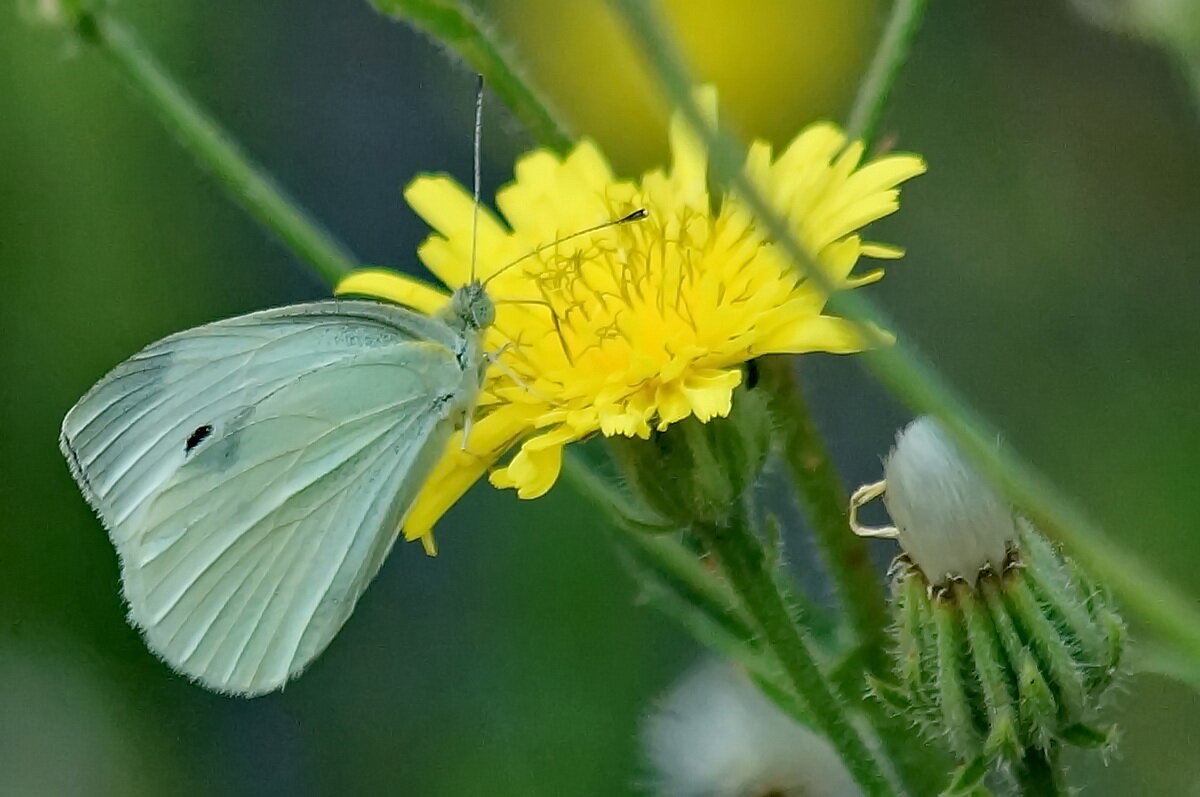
(471, 308)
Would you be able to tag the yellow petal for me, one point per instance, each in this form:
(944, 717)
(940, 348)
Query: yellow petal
(689, 156)
(450, 480)
(882, 251)
(552, 197)
(588, 167)
(860, 213)
(810, 150)
(866, 278)
(395, 287)
(884, 173)
(450, 209)
(673, 405)
(624, 424)
(711, 394)
(536, 466)
(458, 469)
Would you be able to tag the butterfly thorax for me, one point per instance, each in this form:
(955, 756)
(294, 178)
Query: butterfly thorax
(469, 314)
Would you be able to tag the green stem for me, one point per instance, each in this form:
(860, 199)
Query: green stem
(743, 561)
(814, 478)
(690, 593)
(1171, 614)
(670, 560)
(459, 28)
(885, 66)
(816, 482)
(213, 148)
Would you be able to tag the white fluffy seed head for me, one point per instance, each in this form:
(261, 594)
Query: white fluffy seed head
(952, 522)
(715, 735)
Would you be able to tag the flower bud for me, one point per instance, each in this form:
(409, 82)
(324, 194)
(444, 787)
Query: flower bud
(696, 471)
(950, 521)
(715, 734)
(1002, 645)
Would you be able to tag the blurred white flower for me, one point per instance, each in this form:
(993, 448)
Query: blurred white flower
(715, 735)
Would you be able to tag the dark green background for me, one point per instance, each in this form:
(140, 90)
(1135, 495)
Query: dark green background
(1052, 272)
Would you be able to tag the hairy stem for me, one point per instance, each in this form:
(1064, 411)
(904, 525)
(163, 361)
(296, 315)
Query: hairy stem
(816, 482)
(682, 587)
(670, 559)
(740, 554)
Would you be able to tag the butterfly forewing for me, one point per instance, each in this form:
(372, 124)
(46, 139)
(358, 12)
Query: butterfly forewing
(253, 473)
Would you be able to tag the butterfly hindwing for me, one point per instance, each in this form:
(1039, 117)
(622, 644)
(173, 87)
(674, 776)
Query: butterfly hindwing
(253, 474)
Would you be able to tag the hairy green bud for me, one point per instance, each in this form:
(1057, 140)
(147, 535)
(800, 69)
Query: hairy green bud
(1002, 646)
(694, 471)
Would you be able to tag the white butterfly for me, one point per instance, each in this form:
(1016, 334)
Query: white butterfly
(253, 473)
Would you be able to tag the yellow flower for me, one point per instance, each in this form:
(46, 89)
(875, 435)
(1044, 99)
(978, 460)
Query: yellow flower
(639, 325)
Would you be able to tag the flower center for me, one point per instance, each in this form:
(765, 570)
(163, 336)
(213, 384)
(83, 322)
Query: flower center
(634, 305)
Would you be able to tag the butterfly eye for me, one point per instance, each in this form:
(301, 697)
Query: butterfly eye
(197, 437)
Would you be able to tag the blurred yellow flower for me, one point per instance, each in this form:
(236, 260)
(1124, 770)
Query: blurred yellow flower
(639, 325)
(776, 63)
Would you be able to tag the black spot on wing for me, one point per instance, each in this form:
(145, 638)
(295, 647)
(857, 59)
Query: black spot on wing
(218, 445)
(197, 437)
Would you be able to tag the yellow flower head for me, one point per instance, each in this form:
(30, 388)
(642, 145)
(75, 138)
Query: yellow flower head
(639, 325)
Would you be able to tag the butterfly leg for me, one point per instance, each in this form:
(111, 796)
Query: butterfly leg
(466, 431)
(494, 359)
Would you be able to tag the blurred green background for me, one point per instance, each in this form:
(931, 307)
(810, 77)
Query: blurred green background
(1052, 273)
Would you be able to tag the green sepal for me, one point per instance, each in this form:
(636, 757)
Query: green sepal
(893, 697)
(1055, 650)
(697, 472)
(1115, 635)
(1036, 704)
(911, 630)
(957, 720)
(1088, 737)
(1003, 736)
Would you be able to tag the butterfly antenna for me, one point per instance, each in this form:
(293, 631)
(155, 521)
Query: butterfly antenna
(477, 157)
(636, 215)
